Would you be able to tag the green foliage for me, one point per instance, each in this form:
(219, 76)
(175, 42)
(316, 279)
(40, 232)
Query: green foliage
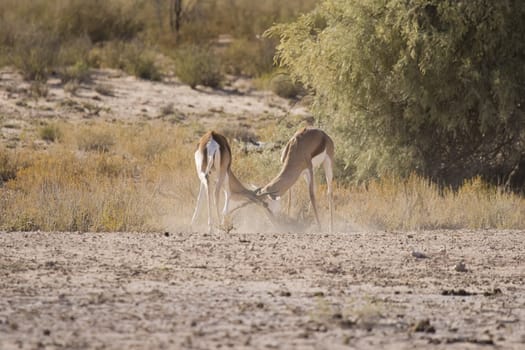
(140, 62)
(78, 72)
(72, 60)
(35, 53)
(426, 85)
(196, 65)
(282, 85)
(99, 20)
(50, 133)
(243, 19)
(249, 57)
(122, 34)
(133, 57)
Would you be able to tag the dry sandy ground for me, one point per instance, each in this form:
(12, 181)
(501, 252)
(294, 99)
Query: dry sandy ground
(356, 290)
(112, 95)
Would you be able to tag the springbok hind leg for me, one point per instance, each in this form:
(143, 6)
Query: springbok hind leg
(198, 205)
(210, 214)
(309, 176)
(220, 183)
(227, 195)
(327, 164)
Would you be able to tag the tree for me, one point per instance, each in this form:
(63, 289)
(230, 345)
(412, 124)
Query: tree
(431, 86)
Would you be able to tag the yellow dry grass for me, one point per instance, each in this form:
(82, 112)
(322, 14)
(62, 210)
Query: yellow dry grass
(141, 177)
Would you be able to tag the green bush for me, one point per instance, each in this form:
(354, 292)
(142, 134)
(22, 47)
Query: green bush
(249, 57)
(282, 85)
(107, 55)
(195, 65)
(35, 53)
(100, 20)
(73, 62)
(134, 58)
(50, 133)
(79, 72)
(429, 86)
(140, 62)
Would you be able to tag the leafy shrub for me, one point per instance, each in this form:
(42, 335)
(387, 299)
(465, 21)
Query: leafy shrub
(78, 72)
(249, 57)
(35, 53)
(107, 55)
(423, 85)
(100, 20)
(196, 65)
(134, 58)
(73, 62)
(50, 133)
(140, 62)
(282, 85)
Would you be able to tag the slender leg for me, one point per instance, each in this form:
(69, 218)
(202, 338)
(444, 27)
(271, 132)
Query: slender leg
(220, 182)
(289, 202)
(199, 204)
(327, 164)
(227, 196)
(310, 180)
(216, 159)
(209, 198)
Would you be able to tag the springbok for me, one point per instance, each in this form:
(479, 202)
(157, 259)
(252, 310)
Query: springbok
(214, 153)
(307, 149)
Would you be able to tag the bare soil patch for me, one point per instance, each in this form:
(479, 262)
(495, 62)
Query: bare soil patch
(111, 95)
(361, 290)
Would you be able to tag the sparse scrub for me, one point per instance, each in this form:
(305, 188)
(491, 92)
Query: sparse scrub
(98, 34)
(50, 133)
(99, 20)
(134, 58)
(282, 85)
(35, 53)
(195, 65)
(107, 55)
(95, 140)
(141, 177)
(140, 62)
(9, 165)
(104, 89)
(73, 62)
(249, 57)
(124, 190)
(78, 72)
(38, 89)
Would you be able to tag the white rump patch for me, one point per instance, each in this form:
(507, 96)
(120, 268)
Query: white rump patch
(213, 148)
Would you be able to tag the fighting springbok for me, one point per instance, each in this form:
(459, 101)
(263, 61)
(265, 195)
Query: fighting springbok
(307, 149)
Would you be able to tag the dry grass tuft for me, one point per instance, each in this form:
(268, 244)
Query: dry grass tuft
(123, 188)
(416, 203)
(118, 177)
